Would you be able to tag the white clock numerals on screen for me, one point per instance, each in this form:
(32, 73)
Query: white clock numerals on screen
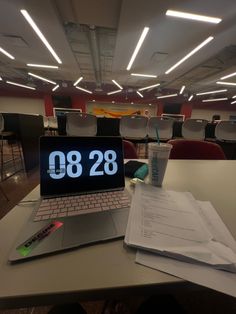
(93, 155)
(70, 163)
(109, 156)
(52, 165)
(73, 158)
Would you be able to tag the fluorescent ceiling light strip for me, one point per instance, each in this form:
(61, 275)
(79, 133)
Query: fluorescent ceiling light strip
(114, 92)
(84, 90)
(54, 88)
(139, 94)
(42, 66)
(136, 50)
(216, 99)
(40, 35)
(20, 85)
(205, 42)
(212, 92)
(117, 84)
(0, 78)
(226, 83)
(182, 89)
(233, 102)
(6, 53)
(147, 87)
(79, 79)
(144, 75)
(234, 96)
(191, 16)
(190, 98)
(227, 76)
(166, 96)
(42, 78)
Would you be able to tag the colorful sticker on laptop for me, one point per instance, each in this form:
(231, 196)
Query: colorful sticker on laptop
(26, 248)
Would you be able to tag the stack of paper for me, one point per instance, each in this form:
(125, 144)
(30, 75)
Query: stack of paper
(174, 224)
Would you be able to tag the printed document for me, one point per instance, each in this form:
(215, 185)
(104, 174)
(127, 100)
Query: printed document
(204, 275)
(170, 223)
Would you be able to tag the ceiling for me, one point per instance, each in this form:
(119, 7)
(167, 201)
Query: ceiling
(96, 38)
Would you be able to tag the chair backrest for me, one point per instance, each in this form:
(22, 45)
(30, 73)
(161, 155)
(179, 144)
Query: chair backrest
(81, 124)
(215, 117)
(226, 131)
(133, 126)
(45, 122)
(1, 122)
(195, 149)
(129, 150)
(52, 122)
(194, 129)
(164, 126)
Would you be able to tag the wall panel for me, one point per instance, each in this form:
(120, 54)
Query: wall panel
(22, 105)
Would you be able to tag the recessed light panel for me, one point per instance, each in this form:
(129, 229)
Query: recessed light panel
(143, 75)
(42, 66)
(204, 43)
(42, 78)
(117, 84)
(147, 87)
(216, 99)
(192, 16)
(20, 85)
(84, 90)
(54, 88)
(77, 82)
(227, 76)
(114, 92)
(167, 96)
(212, 92)
(226, 83)
(139, 94)
(137, 48)
(6, 53)
(182, 89)
(40, 34)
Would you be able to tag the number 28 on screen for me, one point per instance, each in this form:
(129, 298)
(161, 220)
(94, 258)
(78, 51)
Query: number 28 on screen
(71, 165)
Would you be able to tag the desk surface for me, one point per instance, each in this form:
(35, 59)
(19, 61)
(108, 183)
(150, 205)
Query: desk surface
(107, 269)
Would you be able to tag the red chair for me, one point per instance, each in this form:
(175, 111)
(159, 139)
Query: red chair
(129, 150)
(194, 149)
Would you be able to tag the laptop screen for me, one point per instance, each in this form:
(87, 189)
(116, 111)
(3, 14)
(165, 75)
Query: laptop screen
(70, 165)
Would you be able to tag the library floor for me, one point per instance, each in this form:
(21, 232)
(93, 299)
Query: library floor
(194, 302)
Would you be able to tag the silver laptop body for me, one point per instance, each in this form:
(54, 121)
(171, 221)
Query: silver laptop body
(71, 167)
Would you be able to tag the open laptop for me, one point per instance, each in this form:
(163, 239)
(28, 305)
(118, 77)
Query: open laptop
(83, 199)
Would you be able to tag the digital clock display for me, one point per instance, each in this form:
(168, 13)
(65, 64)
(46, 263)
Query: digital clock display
(76, 164)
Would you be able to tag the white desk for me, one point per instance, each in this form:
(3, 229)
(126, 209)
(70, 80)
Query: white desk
(108, 269)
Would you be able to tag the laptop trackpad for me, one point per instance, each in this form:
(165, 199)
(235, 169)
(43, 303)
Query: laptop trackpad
(89, 228)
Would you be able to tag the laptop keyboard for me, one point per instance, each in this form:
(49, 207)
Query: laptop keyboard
(81, 204)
